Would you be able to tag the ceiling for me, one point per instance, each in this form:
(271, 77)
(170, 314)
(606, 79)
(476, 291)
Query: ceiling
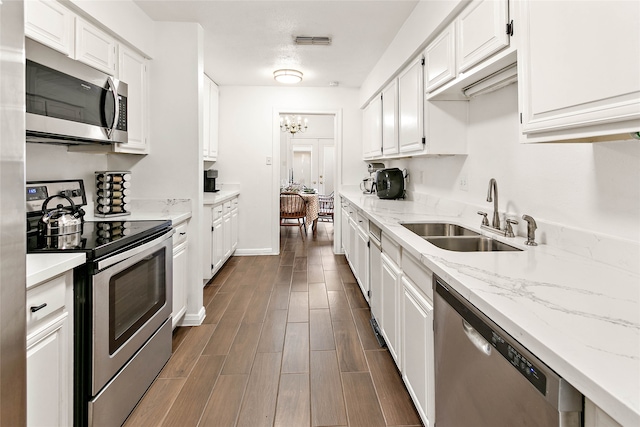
(245, 41)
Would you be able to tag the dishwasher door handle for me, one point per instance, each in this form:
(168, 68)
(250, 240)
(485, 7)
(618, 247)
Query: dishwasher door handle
(476, 339)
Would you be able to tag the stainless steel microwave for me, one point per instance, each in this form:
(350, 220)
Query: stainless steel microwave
(69, 102)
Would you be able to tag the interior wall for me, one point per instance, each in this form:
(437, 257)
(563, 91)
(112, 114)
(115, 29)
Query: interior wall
(246, 140)
(589, 186)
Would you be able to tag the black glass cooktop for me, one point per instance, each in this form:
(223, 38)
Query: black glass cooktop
(98, 238)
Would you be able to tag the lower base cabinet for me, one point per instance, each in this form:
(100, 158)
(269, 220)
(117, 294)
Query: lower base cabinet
(221, 240)
(50, 353)
(180, 273)
(417, 349)
(389, 324)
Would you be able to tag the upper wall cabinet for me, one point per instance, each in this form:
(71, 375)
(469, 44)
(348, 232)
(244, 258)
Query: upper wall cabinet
(94, 47)
(578, 70)
(440, 59)
(210, 120)
(133, 69)
(481, 31)
(49, 23)
(372, 128)
(390, 119)
(411, 107)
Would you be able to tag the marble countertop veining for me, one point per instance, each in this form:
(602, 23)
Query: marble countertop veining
(580, 316)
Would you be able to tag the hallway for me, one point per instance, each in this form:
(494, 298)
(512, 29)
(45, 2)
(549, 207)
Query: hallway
(286, 342)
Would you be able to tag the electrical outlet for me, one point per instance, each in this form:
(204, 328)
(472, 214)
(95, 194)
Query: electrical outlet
(463, 184)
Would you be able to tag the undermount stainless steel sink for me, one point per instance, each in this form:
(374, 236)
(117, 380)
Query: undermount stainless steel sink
(432, 229)
(470, 244)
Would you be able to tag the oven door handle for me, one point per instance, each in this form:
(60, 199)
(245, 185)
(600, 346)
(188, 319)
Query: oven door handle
(108, 262)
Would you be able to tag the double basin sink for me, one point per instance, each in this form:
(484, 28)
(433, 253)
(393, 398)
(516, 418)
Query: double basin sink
(453, 237)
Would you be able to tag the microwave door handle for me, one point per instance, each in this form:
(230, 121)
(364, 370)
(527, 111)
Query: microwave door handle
(116, 116)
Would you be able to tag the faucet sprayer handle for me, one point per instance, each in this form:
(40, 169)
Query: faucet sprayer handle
(485, 221)
(531, 230)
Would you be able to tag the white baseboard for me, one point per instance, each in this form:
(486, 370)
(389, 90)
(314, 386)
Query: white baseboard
(259, 251)
(190, 319)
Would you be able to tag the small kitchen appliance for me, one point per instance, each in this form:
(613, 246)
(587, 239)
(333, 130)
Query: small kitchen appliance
(122, 297)
(390, 183)
(210, 177)
(368, 184)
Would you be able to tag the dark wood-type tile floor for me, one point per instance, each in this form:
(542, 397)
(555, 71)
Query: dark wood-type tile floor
(287, 343)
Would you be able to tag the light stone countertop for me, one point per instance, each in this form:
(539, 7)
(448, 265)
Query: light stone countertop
(42, 267)
(580, 316)
(219, 197)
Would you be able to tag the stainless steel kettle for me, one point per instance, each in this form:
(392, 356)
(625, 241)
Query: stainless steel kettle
(61, 227)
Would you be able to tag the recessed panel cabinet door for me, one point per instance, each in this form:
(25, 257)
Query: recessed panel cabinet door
(481, 31)
(440, 59)
(390, 119)
(578, 68)
(49, 23)
(132, 69)
(411, 107)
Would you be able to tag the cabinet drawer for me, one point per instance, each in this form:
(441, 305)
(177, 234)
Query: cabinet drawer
(391, 248)
(234, 203)
(419, 275)
(363, 222)
(45, 299)
(180, 234)
(217, 211)
(226, 207)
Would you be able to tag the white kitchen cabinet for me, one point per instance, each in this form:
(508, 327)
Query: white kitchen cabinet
(210, 120)
(353, 237)
(133, 70)
(372, 128)
(580, 81)
(362, 254)
(50, 352)
(94, 47)
(234, 224)
(411, 107)
(375, 279)
(390, 119)
(440, 60)
(50, 23)
(416, 328)
(345, 229)
(481, 31)
(226, 230)
(389, 321)
(596, 417)
(221, 236)
(180, 272)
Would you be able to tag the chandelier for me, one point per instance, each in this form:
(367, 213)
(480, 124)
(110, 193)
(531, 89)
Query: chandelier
(293, 125)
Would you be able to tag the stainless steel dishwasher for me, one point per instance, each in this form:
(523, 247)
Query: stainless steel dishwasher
(484, 377)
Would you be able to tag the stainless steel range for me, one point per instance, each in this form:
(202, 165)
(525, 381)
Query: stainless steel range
(122, 303)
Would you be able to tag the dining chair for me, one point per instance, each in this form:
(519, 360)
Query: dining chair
(293, 207)
(325, 207)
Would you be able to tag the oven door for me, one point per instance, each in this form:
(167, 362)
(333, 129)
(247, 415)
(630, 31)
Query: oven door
(132, 298)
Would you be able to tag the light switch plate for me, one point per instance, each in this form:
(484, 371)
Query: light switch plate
(269, 160)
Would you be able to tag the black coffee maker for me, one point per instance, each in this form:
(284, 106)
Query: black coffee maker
(210, 176)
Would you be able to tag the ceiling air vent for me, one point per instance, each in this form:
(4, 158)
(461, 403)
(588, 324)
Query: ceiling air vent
(321, 41)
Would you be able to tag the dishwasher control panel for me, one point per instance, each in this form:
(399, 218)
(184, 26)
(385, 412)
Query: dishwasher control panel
(520, 362)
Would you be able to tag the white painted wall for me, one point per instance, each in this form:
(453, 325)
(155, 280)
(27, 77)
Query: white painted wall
(246, 132)
(587, 186)
(173, 169)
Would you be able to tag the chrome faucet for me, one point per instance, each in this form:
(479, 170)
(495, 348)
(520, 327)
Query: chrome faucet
(493, 185)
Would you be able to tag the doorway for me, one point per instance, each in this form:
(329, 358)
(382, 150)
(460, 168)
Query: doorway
(309, 158)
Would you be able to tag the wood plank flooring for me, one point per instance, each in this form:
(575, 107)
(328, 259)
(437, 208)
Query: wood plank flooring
(287, 343)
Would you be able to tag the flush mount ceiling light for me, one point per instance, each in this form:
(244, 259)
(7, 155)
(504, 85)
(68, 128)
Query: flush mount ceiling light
(287, 76)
